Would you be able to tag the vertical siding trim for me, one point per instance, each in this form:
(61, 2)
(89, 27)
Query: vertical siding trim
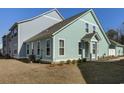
(54, 50)
(19, 37)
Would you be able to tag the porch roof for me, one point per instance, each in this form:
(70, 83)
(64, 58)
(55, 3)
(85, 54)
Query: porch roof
(89, 36)
(116, 43)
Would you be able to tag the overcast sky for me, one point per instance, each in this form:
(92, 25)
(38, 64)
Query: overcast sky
(109, 18)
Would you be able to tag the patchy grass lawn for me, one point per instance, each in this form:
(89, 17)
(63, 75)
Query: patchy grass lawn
(103, 72)
(13, 71)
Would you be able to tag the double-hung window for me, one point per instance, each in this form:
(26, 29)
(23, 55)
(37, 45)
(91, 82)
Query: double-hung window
(80, 48)
(28, 49)
(38, 48)
(48, 47)
(61, 47)
(87, 27)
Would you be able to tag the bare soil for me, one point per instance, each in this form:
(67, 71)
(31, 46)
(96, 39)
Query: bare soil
(16, 72)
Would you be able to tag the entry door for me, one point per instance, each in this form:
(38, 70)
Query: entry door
(86, 50)
(94, 50)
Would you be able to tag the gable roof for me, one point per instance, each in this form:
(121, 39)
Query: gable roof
(30, 19)
(116, 43)
(55, 28)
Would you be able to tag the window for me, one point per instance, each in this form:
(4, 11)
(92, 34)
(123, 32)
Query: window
(48, 47)
(15, 51)
(94, 29)
(61, 47)
(94, 48)
(80, 48)
(87, 27)
(38, 48)
(15, 32)
(27, 49)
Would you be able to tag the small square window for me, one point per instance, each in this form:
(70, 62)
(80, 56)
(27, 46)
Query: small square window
(94, 29)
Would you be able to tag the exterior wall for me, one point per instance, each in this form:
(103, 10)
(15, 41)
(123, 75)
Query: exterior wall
(31, 28)
(42, 48)
(73, 34)
(14, 46)
(119, 51)
(4, 40)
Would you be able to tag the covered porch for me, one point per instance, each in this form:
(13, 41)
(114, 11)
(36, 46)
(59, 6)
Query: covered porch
(90, 46)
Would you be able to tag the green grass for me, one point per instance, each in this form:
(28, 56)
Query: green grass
(103, 72)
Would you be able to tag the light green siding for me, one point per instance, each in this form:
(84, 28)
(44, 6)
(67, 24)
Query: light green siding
(42, 49)
(119, 51)
(73, 34)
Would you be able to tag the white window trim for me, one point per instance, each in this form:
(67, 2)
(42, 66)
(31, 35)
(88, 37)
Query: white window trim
(32, 45)
(46, 48)
(59, 47)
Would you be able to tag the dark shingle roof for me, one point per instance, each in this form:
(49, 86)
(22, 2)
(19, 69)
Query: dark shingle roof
(56, 27)
(89, 36)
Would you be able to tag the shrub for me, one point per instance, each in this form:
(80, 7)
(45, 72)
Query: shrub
(7, 56)
(32, 58)
(79, 60)
(84, 60)
(25, 60)
(74, 61)
(61, 63)
(68, 62)
(52, 64)
(38, 61)
(1, 54)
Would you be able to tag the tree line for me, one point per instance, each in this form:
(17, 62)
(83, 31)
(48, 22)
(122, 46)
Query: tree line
(116, 34)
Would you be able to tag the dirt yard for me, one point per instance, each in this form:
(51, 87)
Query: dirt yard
(13, 71)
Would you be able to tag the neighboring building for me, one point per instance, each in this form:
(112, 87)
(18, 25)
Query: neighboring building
(116, 49)
(1, 49)
(5, 44)
(14, 42)
(80, 36)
